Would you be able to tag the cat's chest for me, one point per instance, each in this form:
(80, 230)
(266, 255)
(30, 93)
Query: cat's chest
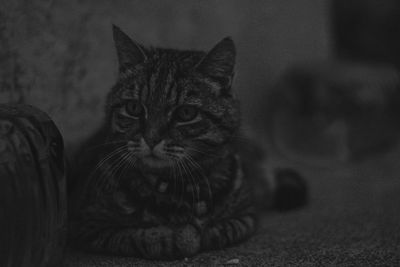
(158, 200)
(163, 198)
(145, 212)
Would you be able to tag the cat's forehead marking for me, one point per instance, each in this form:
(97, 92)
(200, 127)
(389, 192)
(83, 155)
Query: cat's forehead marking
(162, 83)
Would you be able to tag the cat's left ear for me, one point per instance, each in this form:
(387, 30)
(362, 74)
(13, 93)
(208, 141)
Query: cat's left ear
(219, 63)
(129, 52)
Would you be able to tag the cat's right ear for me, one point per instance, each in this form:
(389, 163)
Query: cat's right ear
(129, 52)
(219, 64)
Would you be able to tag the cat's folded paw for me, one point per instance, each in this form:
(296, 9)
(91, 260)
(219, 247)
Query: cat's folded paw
(188, 240)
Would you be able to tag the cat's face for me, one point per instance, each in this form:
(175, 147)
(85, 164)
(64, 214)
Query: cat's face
(172, 106)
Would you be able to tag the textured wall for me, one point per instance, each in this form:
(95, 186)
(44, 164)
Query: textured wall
(59, 55)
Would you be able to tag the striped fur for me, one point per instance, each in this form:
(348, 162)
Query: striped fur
(152, 184)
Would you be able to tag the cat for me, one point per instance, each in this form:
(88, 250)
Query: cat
(165, 176)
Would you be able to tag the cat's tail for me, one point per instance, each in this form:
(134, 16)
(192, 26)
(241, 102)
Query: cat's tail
(274, 186)
(289, 190)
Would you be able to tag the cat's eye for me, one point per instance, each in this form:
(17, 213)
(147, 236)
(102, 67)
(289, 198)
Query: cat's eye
(186, 113)
(134, 109)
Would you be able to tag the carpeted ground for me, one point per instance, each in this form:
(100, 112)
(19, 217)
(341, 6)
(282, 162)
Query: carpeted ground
(353, 219)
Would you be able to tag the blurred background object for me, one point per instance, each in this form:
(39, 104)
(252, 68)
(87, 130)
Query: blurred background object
(335, 111)
(345, 108)
(367, 30)
(33, 200)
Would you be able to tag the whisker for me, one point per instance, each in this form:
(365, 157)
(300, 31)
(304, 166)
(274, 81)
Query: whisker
(128, 164)
(114, 180)
(122, 164)
(175, 193)
(116, 166)
(107, 176)
(194, 185)
(101, 179)
(182, 182)
(174, 175)
(108, 156)
(201, 170)
(172, 155)
(102, 163)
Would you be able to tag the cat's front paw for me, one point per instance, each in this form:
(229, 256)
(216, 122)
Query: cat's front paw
(188, 240)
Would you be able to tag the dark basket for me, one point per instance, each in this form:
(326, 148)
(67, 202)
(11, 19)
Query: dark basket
(33, 188)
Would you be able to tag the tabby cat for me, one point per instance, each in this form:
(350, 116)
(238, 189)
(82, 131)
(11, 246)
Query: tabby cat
(163, 177)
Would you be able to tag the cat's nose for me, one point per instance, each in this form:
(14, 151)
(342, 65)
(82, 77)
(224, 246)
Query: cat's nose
(152, 137)
(151, 143)
(152, 140)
